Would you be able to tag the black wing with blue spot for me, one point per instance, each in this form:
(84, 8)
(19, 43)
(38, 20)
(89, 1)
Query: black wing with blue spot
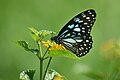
(75, 35)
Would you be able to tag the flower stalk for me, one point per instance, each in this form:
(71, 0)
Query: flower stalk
(41, 59)
(47, 67)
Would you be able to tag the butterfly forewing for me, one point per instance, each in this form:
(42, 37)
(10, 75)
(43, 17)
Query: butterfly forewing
(82, 21)
(75, 35)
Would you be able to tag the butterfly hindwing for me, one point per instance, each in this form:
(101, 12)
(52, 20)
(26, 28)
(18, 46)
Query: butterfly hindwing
(80, 47)
(75, 35)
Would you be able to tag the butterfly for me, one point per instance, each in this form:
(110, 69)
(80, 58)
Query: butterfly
(75, 35)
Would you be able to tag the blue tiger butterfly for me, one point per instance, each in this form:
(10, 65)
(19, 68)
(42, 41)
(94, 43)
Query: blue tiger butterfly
(75, 35)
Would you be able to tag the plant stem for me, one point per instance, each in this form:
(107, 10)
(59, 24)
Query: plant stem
(46, 52)
(41, 59)
(40, 48)
(41, 68)
(47, 67)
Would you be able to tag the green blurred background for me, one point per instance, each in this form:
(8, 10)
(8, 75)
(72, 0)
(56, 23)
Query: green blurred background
(16, 16)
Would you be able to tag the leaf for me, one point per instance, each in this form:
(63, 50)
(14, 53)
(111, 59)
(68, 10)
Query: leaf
(39, 35)
(53, 75)
(24, 45)
(46, 32)
(62, 53)
(35, 34)
(34, 31)
(27, 75)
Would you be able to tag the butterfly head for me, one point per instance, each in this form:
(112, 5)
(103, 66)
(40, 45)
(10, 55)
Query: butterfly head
(55, 38)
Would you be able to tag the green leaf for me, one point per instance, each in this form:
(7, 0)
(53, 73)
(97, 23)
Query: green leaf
(53, 75)
(34, 31)
(62, 53)
(39, 35)
(35, 34)
(27, 75)
(24, 45)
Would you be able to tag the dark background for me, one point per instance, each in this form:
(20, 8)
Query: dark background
(16, 16)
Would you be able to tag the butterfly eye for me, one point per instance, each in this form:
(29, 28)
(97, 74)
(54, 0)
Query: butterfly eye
(75, 35)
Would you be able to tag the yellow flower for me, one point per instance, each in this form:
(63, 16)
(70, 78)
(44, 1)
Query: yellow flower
(52, 45)
(47, 43)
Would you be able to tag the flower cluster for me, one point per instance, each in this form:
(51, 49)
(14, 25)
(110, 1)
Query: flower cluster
(52, 45)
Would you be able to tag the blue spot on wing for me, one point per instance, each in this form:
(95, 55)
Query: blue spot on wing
(77, 29)
(71, 26)
(76, 25)
(77, 19)
(64, 32)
